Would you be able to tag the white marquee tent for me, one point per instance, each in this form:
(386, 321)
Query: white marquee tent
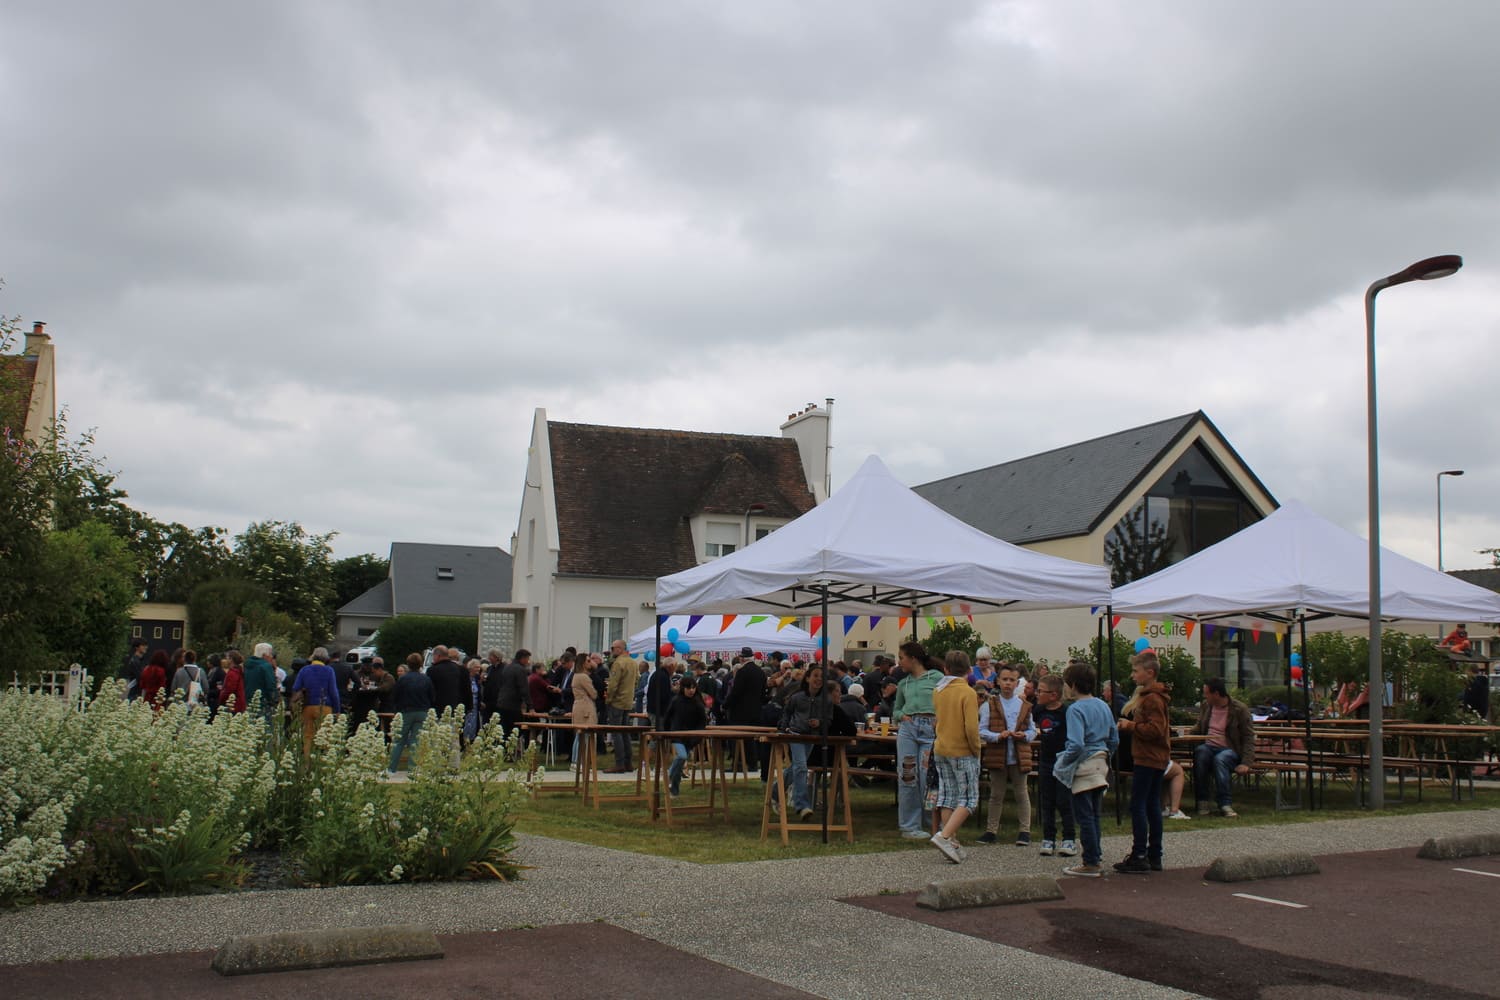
(876, 546)
(1295, 559)
(710, 634)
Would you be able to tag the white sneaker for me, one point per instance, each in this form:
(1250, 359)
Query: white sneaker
(1047, 848)
(914, 835)
(945, 845)
(1179, 814)
(1068, 849)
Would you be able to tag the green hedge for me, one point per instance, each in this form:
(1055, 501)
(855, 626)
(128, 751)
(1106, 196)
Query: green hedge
(406, 634)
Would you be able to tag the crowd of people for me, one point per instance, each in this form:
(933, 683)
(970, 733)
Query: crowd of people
(953, 720)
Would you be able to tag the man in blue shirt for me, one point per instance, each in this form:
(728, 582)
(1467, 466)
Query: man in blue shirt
(318, 689)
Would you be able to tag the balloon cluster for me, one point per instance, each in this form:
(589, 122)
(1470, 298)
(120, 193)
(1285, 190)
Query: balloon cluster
(1142, 644)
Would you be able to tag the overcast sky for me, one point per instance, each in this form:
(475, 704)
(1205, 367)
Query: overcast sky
(321, 261)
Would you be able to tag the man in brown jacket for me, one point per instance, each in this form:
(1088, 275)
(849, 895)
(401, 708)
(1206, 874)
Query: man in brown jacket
(619, 695)
(1229, 749)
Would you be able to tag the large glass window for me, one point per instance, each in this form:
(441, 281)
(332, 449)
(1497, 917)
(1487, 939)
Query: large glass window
(605, 626)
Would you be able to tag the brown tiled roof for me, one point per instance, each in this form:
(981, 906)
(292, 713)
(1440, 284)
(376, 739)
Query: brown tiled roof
(626, 495)
(17, 376)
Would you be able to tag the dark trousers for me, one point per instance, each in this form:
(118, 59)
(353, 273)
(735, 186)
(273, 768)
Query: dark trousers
(1086, 807)
(509, 720)
(1053, 800)
(1145, 811)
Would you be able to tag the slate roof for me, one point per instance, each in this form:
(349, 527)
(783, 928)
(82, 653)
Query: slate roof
(1486, 578)
(17, 378)
(481, 575)
(1066, 491)
(626, 495)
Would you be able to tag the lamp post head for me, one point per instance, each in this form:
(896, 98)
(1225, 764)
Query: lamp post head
(1426, 270)
(1451, 472)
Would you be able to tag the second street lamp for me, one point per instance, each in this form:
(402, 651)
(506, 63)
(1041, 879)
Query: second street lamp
(1440, 475)
(1422, 270)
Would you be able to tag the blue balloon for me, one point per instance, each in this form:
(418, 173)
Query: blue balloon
(1142, 643)
(682, 646)
(650, 656)
(1296, 659)
(672, 634)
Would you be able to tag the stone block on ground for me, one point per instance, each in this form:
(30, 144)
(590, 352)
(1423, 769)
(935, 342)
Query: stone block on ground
(1249, 867)
(1463, 845)
(994, 890)
(325, 948)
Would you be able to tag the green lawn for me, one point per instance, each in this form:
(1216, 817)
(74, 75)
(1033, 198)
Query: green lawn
(628, 826)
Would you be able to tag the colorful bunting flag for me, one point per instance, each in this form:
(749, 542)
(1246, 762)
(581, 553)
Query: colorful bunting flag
(782, 623)
(817, 623)
(661, 619)
(951, 622)
(874, 620)
(1114, 622)
(1208, 628)
(728, 621)
(757, 619)
(965, 608)
(1232, 633)
(1094, 610)
(693, 621)
(931, 622)
(849, 621)
(1187, 628)
(901, 623)
(1255, 632)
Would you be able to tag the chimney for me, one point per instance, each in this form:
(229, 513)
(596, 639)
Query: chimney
(37, 338)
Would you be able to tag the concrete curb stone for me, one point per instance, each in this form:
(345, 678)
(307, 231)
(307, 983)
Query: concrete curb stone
(1249, 867)
(1465, 845)
(326, 948)
(995, 890)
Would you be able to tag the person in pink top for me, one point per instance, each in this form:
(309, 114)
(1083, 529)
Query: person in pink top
(1229, 749)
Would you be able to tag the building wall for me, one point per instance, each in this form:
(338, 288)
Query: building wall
(574, 596)
(347, 627)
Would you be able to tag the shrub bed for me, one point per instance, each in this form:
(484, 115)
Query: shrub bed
(120, 799)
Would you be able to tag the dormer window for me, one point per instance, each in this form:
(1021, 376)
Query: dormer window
(445, 572)
(721, 538)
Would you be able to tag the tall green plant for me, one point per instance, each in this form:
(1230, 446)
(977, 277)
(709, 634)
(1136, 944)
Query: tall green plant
(943, 637)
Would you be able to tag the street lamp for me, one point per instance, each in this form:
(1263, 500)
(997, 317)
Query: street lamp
(1422, 270)
(1440, 475)
(753, 508)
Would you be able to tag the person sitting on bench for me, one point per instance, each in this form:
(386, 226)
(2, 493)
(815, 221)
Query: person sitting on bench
(1229, 749)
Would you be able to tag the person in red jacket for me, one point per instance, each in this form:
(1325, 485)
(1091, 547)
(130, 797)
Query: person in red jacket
(232, 694)
(154, 679)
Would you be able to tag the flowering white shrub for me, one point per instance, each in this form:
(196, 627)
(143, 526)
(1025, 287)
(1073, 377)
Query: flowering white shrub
(118, 798)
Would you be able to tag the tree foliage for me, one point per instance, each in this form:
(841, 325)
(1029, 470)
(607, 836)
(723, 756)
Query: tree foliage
(296, 569)
(353, 575)
(1136, 549)
(943, 637)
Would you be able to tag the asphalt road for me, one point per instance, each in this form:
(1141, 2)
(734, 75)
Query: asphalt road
(1376, 924)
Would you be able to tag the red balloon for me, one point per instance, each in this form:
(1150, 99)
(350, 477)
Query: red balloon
(667, 649)
(760, 656)
(818, 654)
(796, 657)
(1296, 673)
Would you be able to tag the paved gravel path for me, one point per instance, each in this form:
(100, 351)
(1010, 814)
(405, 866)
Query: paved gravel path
(775, 919)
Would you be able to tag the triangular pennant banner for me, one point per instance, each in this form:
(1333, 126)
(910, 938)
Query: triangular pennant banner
(757, 619)
(693, 621)
(782, 623)
(1094, 610)
(817, 623)
(728, 621)
(901, 623)
(661, 619)
(1187, 628)
(1208, 629)
(931, 622)
(1114, 622)
(849, 621)
(1255, 634)
(951, 622)
(874, 620)
(965, 608)
(1232, 633)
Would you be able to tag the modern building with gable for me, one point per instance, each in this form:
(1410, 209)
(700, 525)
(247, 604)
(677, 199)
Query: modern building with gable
(607, 510)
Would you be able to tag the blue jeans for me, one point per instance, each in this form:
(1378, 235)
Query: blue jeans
(1145, 812)
(411, 725)
(1219, 762)
(914, 741)
(796, 776)
(1086, 807)
(679, 758)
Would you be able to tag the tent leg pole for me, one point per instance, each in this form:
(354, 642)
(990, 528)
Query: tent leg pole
(1109, 612)
(1307, 707)
(827, 804)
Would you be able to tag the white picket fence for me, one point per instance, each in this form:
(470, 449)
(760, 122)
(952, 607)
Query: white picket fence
(72, 684)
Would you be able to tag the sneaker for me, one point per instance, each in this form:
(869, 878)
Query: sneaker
(1023, 839)
(1047, 848)
(1179, 814)
(1068, 849)
(1204, 809)
(1084, 871)
(915, 835)
(1228, 812)
(945, 845)
(1155, 864)
(1133, 865)
(987, 837)
(775, 808)
(804, 814)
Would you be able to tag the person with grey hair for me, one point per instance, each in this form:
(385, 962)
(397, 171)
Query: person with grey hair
(318, 690)
(260, 679)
